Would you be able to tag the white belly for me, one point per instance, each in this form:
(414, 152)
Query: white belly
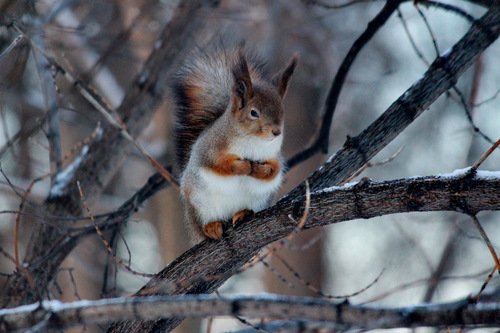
(219, 197)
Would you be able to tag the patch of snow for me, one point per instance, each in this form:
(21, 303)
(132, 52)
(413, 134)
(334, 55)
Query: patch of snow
(446, 53)
(23, 308)
(454, 174)
(330, 159)
(485, 174)
(62, 178)
(336, 188)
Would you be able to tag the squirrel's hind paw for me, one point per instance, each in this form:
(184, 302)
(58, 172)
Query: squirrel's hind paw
(213, 230)
(241, 214)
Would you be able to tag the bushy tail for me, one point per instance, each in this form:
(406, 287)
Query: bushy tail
(202, 90)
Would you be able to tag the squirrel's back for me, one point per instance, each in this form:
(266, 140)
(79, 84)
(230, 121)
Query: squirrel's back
(202, 91)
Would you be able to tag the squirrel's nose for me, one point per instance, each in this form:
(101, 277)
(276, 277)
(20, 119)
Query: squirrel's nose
(276, 131)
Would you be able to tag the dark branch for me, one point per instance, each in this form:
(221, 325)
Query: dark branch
(321, 142)
(203, 268)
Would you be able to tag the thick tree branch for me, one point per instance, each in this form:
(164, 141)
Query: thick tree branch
(60, 316)
(203, 268)
(206, 266)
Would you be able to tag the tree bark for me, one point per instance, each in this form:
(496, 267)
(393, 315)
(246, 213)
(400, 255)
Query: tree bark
(56, 316)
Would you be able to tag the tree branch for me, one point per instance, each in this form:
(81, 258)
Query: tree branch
(203, 268)
(61, 316)
(321, 142)
(442, 75)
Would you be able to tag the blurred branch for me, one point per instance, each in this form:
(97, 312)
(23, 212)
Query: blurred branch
(486, 239)
(321, 142)
(49, 92)
(55, 315)
(11, 46)
(455, 9)
(203, 268)
(49, 245)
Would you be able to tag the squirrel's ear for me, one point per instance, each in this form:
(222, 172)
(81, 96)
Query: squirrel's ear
(281, 79)
(243, 88)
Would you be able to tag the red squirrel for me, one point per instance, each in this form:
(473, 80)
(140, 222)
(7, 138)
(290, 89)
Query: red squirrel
(228, 133)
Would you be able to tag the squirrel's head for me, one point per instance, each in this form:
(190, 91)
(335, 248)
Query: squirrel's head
(258, 106)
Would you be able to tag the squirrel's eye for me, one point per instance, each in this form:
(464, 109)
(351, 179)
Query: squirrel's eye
(254, 114)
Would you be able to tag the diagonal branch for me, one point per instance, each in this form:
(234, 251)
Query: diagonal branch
(321, 142)
(442, 75)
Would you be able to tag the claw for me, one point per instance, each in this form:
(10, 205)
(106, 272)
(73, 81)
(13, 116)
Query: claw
(213, 230)
(241, 214)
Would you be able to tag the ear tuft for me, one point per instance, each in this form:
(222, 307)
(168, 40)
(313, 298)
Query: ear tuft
(282, 79)
(243, 88)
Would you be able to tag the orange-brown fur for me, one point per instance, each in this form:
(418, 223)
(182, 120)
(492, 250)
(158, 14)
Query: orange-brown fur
(265, 170)
(231, 165)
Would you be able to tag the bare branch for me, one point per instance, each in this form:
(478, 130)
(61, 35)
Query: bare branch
(321, 142)
(56, 315)
(441, 76)
(486, 239)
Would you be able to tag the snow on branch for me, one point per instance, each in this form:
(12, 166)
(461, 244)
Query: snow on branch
(57, 315)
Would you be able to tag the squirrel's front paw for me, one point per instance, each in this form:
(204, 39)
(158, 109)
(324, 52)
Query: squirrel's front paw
(241, 167)
(213, 230)
(264, 170)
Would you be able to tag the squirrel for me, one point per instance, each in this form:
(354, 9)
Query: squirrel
(228, 136)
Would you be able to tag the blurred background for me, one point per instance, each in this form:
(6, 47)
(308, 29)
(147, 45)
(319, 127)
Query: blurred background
(424, 257)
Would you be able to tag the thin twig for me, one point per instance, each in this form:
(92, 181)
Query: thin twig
(457, 10)
(415, 283)
(104, 241)
(278, 274)
(311, 287)
(11, 46)
(371, 165)
(461, 97)
(328, 6)
(21, 268)
(24, 199)
(487, 241)
(413, 43)
(305, 246)
(485, 156)
(483, 287)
